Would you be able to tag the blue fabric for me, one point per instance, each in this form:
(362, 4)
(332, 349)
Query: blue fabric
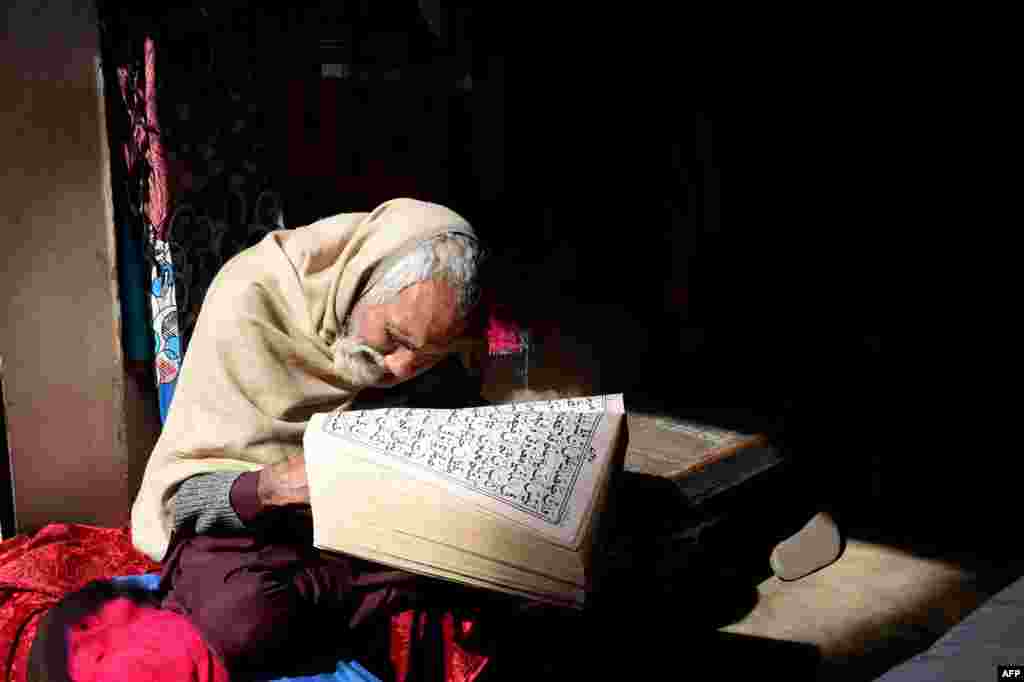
(166, 394)
(148, 582)
(349, 671)
(345, 672)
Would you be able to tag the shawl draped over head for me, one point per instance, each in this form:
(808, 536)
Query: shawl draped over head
(260, 362)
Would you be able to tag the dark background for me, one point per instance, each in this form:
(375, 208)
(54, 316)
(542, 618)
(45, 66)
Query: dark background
(591, 153)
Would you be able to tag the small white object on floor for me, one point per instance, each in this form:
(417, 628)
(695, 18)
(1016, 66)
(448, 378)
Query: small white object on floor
(810, 549)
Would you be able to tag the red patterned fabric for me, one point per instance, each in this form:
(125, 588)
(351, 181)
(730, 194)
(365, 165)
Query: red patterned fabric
(460, 665)
(36, 571)
(159, 201)
(126, 641)
(504, 336)
(146, 139)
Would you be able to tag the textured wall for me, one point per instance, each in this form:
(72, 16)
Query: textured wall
(58, 299)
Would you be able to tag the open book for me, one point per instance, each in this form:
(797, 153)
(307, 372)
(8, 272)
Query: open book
(504, 497)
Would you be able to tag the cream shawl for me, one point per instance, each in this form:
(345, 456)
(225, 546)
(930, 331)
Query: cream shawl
(259, 363)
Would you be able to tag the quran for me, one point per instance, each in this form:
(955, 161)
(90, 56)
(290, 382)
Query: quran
(503, 497)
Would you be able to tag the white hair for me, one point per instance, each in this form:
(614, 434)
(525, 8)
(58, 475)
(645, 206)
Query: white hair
(452, 257)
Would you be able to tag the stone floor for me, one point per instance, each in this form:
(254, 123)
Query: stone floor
(895, 590)
(875, 607)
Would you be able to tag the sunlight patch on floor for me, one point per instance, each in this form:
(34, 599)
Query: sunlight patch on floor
(874, 596)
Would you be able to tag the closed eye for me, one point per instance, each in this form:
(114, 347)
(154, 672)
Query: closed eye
(396, 341)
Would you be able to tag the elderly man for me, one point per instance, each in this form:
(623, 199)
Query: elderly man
(305, 321)
(323, 317)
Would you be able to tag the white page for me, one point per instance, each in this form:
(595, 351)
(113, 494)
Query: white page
(536, 464)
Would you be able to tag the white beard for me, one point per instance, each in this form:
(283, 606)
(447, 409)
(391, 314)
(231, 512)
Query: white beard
(361, 365)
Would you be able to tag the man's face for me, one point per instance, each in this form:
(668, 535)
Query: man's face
(412, 333)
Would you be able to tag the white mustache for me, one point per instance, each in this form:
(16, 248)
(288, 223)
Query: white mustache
(357, 362)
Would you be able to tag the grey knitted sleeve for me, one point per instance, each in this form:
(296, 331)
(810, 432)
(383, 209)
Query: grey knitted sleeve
(206, 499)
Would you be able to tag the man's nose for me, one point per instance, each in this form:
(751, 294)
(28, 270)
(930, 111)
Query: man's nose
(401, 363)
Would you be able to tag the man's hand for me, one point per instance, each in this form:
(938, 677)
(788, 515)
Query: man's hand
(284, 484)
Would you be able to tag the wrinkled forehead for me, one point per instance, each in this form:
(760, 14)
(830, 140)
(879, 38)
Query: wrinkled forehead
(448, 257)
(427, 312)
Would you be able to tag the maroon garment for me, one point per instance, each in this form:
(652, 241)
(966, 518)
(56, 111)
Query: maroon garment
(261, 598)
(266, 600)
(245, 498)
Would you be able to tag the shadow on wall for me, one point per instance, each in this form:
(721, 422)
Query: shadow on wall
(7, 524)
(141, 419)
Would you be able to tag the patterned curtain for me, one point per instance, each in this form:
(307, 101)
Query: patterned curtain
(211, 128)
(194, 181)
